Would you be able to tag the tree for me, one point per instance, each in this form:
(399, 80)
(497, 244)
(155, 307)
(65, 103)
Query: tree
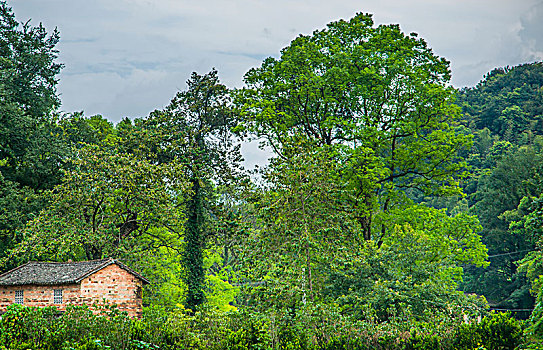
(508, 101)
(517, 174)
(360, 118)
(356, 85)
(32, 150)
(194, 129)
(108, 205)
(28, 98)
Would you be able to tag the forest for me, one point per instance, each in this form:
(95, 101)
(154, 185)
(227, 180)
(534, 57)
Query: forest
(397, 212)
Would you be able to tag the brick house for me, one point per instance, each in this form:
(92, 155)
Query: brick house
(77, 283)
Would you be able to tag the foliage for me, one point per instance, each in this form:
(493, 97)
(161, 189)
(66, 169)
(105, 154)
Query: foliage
(508, 101)
(107, 205)
(195, 131)
(28, 153)
(316, 326)
(495, 331)
(355, 85)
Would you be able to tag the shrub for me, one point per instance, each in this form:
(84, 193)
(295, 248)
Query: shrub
(30, 328)
(422, 341)
(346, 343)
(311, 327)
(495, 331)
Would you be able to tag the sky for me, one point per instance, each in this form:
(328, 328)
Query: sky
(126, 58)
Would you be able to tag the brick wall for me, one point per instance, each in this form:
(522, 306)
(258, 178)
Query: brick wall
(116, 286)
(112, 284)
(39, 296)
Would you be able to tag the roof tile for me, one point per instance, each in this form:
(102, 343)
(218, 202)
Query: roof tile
(53, 273)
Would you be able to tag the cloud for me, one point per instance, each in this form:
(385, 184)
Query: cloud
(113, 48)
(531, 34)
(129, 57)
(485, 37)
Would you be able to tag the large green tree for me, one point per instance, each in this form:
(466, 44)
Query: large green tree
(108, 205)
(32, 150)
(357, 85)
(360, 118)
(194, 129)
(28, 78)
(309, 245)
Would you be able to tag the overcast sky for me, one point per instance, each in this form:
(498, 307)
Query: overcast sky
(129, 57)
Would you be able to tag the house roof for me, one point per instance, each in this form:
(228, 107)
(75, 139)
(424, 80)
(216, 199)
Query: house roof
(53, 273)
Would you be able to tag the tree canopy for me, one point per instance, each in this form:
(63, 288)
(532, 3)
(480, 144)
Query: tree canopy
(375, 90)
(385, 191)
(360, 118)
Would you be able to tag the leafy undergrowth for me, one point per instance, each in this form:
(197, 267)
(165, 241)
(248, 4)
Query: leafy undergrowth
(313, 328)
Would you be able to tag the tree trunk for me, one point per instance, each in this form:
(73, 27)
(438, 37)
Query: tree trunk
(194, 237)
(365, 222)
(193, 255)
(308, 264)
(93, 252)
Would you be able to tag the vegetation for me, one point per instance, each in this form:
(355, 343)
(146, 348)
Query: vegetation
(394, 212)
(78, 328)
(506, 177)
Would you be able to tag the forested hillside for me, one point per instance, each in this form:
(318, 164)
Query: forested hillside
(395, 210)
(504, 112)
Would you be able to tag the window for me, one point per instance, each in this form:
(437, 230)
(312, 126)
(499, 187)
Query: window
(19, 297)
(57, 296)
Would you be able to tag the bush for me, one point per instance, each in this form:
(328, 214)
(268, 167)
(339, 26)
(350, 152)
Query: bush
(311, 327)
(30, 328)
(346, 343)
(495, 331)
(421, 342)
(78, 328)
